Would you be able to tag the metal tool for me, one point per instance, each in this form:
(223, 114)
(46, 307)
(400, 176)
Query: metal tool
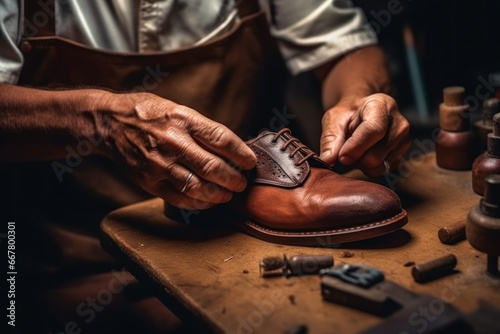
(365, 288)
(294, 266)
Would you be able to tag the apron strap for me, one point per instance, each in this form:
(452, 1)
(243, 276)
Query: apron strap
(39, 18)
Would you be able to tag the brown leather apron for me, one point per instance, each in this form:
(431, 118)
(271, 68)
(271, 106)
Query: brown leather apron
(223, 79)
(218, 79)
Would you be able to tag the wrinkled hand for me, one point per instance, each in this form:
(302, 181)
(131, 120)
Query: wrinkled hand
(363, 132)
(159, 143)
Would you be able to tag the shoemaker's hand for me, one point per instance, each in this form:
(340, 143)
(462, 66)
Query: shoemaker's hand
(160, 143)
(365, 132)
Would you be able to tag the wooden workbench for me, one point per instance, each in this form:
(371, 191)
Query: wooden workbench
(212, 273)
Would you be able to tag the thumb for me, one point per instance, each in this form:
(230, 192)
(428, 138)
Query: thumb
(332, 140)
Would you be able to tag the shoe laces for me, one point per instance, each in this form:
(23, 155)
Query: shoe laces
(299, 146)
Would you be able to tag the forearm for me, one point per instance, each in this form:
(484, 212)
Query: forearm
(39, 124)
(360, 73)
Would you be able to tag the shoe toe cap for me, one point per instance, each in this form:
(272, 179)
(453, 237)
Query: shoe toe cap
(360, 203)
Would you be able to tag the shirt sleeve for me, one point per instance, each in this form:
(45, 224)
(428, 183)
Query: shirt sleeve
(311, 33)
(11, 59)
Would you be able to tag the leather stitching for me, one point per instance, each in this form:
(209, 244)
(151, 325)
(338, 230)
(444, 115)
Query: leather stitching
(317, 233)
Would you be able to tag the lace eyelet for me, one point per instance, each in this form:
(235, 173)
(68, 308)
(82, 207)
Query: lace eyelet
(289, 156)
(296, 164)
(274, 141)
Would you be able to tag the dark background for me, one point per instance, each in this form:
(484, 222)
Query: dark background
(456, 41)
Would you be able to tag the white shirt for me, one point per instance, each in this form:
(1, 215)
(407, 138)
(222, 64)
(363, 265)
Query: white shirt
(309, 32)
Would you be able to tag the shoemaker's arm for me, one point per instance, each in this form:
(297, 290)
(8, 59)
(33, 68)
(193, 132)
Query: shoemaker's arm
(38, 124)
(362, 125)
(156, 141)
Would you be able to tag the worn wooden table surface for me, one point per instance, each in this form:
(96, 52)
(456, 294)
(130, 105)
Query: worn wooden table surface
(212, 273)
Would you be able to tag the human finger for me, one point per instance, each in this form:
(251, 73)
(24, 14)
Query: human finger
(333, 136)
(220, 140)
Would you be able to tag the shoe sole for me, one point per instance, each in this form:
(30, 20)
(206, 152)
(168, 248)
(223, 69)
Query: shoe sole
(326, 238)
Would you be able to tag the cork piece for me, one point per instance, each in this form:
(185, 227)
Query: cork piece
(453, 96)
(452, 233)
(453, 118)
(453, 113)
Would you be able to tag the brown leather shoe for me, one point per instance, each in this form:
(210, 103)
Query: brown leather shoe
(295, 198)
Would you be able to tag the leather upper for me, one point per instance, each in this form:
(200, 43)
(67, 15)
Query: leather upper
(282, 160)
(293, 190)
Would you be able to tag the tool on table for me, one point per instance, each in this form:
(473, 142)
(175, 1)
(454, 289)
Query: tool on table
(489, 162)
(431, 270)
(454, 140)
(354, 286)
(453, 233)
(365, 288)
(484, 126)
(483, 223)
(294, 266)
